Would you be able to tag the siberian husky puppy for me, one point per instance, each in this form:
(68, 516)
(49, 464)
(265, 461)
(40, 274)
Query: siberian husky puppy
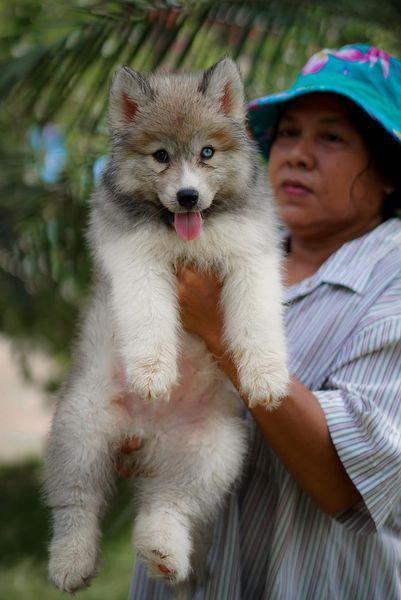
(182, 187)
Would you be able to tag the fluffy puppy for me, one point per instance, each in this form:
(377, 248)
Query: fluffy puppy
(182, 187)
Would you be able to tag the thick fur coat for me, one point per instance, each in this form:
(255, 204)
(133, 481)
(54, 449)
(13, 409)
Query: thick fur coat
(182, 187)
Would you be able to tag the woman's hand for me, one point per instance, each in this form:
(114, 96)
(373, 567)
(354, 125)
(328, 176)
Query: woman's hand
(199, 299)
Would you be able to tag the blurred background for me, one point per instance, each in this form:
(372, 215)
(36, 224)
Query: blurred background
(56, 59)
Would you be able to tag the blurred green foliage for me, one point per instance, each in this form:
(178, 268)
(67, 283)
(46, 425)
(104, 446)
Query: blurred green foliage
(56, 59)
(24, 537)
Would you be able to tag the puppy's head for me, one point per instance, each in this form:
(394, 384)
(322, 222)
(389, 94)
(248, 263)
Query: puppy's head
(180, 142)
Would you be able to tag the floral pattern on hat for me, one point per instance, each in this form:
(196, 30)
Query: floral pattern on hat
(372, 56)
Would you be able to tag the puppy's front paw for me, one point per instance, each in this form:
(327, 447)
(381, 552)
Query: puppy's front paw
(152, 379)
(72, 563)
(264, 383)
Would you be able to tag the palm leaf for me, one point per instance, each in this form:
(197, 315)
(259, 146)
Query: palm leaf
(63, 74)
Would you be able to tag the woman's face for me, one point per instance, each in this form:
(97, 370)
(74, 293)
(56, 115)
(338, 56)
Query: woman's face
(320, 170)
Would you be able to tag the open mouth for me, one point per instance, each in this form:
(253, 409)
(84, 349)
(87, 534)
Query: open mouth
(188, 225)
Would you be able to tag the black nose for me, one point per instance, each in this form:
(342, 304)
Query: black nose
(187, 197)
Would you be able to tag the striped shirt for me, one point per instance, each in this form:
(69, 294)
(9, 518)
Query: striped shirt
(271, 542)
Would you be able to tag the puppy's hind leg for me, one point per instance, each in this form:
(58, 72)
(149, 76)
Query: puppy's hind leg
(79, 468)
(185, 497)
(79, 473)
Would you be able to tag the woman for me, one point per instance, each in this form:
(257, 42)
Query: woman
(318, 514)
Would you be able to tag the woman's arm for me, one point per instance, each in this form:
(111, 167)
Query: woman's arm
(297, 430)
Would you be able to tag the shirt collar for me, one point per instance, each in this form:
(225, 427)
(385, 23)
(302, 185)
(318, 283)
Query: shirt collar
(351, 265)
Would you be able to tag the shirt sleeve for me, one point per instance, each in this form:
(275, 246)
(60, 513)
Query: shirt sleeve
(361, 400)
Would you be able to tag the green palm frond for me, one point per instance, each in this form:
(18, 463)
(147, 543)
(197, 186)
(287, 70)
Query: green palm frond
(58, 58)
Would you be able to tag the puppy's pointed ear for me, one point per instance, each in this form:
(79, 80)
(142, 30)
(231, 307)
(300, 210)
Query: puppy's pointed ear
(129, 90)
(223, 84)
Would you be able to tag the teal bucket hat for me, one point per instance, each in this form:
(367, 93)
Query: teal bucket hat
(368, 76)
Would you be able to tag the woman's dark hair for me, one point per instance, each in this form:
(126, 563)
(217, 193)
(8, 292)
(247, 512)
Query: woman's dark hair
(385, 153)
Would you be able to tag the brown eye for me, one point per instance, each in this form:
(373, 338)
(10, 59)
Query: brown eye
(332, 137)
(286, 132)
(161, 156)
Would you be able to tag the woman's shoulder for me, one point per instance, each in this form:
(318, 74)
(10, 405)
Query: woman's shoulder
(389, 233)
(366, 264)
(387, 306)
(361, 281)
(383, 264)
(382, 289)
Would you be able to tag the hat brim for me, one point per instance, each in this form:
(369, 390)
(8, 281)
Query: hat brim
(264, 113)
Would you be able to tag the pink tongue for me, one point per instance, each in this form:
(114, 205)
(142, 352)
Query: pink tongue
(188, 225)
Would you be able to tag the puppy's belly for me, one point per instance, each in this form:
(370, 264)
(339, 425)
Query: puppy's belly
(201, 392)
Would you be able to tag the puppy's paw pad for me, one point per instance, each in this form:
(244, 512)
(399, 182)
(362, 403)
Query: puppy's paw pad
(165, 571)
(163, 545)
(72, 577)
(264, 386)
(165, 564)
(153, 379)
(71, 568)
(160, 564)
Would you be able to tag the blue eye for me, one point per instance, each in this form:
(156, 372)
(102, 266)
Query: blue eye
(207, 152)
(161, 156)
